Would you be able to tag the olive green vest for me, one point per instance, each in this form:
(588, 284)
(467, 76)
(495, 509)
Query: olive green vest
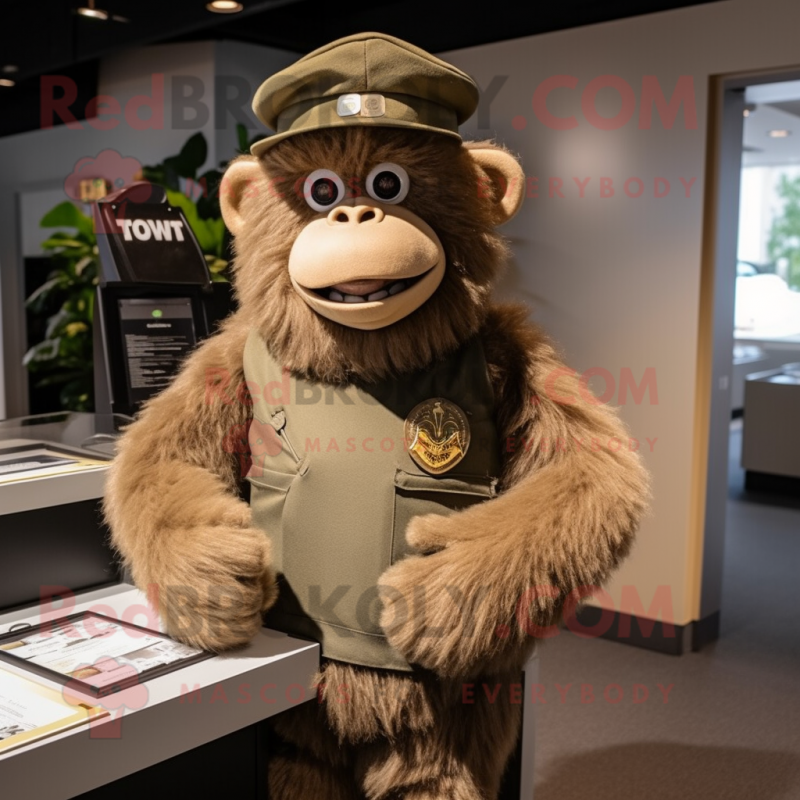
(336, 487)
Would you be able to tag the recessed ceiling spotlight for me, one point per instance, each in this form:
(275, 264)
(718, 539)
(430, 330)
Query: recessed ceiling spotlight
(92, 12)
(10, 68)
(7, 82)
(749, 108)
(779, 133)
(224, 7)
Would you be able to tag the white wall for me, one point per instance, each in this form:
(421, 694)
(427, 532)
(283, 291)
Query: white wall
(616, 281)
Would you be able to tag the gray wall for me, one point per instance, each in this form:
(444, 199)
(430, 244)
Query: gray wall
(237, 62)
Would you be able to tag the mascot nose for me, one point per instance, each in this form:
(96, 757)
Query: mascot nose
(354, 215)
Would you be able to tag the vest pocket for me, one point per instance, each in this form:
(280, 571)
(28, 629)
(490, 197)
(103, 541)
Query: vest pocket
(416, 494)
(268, 491)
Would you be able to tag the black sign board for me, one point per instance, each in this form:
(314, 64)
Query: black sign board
(143, 238)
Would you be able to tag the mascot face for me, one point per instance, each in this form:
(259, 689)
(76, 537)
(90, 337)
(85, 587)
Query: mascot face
(365, 261)
(376, 243)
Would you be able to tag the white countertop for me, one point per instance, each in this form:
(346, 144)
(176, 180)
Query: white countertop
(55, 490)
(229, 692)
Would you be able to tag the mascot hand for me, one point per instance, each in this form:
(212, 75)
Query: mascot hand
(449, 611)
(215, 585)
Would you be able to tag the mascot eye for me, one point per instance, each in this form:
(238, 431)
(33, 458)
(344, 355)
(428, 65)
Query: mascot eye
(388, 183)
(323, 189)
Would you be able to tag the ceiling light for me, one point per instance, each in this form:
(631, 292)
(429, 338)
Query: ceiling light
(91, 11)
(94, 13)
(749, 108)
(778, 133)
(224, 7)
(9, 68)
(7, 82)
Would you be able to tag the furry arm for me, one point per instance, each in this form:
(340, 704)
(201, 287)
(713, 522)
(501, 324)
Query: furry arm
(572, 496)
(173, 505)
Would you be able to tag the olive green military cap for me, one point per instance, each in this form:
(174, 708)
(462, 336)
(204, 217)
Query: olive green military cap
(365, 79)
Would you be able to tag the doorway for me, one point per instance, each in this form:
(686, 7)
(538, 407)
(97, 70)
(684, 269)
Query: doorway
(750, 332)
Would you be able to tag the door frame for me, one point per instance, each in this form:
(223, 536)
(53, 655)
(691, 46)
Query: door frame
(715, 334)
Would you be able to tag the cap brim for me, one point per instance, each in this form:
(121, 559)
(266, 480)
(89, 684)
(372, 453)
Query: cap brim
(260, 147)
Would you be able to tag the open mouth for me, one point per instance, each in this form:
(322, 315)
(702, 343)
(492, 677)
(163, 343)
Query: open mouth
(367, 290)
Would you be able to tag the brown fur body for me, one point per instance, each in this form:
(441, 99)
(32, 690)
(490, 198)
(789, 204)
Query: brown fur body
(380, 734)
(565, 517)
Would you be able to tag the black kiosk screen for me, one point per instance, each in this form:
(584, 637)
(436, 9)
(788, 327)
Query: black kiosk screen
(156, 336)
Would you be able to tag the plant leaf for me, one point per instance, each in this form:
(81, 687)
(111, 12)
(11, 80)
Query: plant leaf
(52, 242)
(42, 294)
(191, 157)
(241, 137)
(43, 351)
(82, 264)
(59, 376)
(210, 233)
(68, 215)
(77, 395)
(58, 322)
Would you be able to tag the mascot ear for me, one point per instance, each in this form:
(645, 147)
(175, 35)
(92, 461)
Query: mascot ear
(504, 184)
(239, 182)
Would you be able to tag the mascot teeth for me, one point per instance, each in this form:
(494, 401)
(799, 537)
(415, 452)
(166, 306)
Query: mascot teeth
(381, 294)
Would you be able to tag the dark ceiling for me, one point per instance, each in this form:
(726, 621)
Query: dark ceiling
(47, 37)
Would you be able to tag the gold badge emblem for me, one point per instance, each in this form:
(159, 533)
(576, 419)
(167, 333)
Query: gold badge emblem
(437, 435)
